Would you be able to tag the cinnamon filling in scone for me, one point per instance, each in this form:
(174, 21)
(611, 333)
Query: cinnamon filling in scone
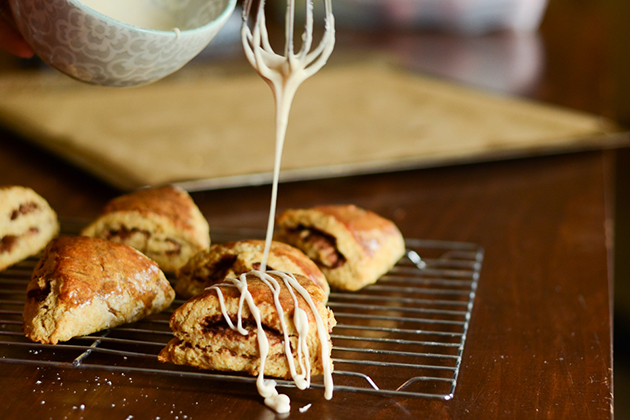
(125, 233)
(140, 239)
(217, 325)
(232, 259)
(218, 271)
(39, 294)
(164, 223)
(225, 267)
(353, 247)
(256, 267)
(175, 247)
(8, 242)
(319, 246)
(225, 333)
(25, 208)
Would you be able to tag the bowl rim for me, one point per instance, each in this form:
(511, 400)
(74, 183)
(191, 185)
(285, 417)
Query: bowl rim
(226, 13)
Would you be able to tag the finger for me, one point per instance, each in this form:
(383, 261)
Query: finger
(10, 39)
(13, 43)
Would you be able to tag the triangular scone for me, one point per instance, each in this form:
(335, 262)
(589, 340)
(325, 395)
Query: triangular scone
(82, 285)
(353, 247)
(27, 224)
(163, 223)
(232, 259)
(204, 339)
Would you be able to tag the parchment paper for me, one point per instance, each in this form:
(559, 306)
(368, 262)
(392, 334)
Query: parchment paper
(218, 130)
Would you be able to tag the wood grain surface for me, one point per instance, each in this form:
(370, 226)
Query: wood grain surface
(540, 334)
(540, 338)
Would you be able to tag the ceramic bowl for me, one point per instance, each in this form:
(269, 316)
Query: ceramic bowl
(96, 48)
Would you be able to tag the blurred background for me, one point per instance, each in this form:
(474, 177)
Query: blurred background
(569, 53)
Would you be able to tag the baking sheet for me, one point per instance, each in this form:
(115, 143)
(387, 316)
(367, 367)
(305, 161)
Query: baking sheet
(217, 130)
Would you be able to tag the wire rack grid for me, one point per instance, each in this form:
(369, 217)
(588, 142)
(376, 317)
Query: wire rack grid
(404, 335)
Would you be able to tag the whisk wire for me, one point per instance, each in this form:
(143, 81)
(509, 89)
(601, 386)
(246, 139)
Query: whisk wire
(262, 56)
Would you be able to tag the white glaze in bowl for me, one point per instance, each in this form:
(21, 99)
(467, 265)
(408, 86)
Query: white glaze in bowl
(92, 47)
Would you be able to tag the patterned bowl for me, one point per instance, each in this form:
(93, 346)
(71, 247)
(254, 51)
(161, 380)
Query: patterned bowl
(96, 48)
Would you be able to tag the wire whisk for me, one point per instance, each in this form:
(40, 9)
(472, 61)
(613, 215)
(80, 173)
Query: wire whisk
(286, 70)
(284, 73)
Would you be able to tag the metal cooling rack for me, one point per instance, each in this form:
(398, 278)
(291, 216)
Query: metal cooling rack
(404, 335)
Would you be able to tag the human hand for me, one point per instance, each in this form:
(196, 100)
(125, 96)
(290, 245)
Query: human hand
(10, 39)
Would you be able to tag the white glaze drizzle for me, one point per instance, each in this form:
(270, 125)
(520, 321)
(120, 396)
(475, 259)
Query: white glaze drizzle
(284, 74)
(267, 388)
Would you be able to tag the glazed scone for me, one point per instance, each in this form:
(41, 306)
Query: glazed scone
(83, 285)
(163, 223)
(27, 224)
(235, 258)
(204, 339)
(353, 247)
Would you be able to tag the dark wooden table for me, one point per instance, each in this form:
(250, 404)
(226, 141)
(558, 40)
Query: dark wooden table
(540, 338)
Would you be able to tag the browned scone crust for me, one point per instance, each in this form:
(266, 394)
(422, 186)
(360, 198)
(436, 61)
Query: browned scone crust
(204, 339)
(163, 223)
(83, 285)
(27, 224)
(235, 258)
(353, 247)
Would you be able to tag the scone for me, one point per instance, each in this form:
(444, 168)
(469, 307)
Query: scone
(83, 285)
(235, 258)
(353, 247)
(27, 224)
(163, 223)
(204, 339)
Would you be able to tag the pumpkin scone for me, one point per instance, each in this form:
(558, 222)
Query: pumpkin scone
(163, 223)
(83, 285)
(213, 330)
(352, 246)
(27, 224)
